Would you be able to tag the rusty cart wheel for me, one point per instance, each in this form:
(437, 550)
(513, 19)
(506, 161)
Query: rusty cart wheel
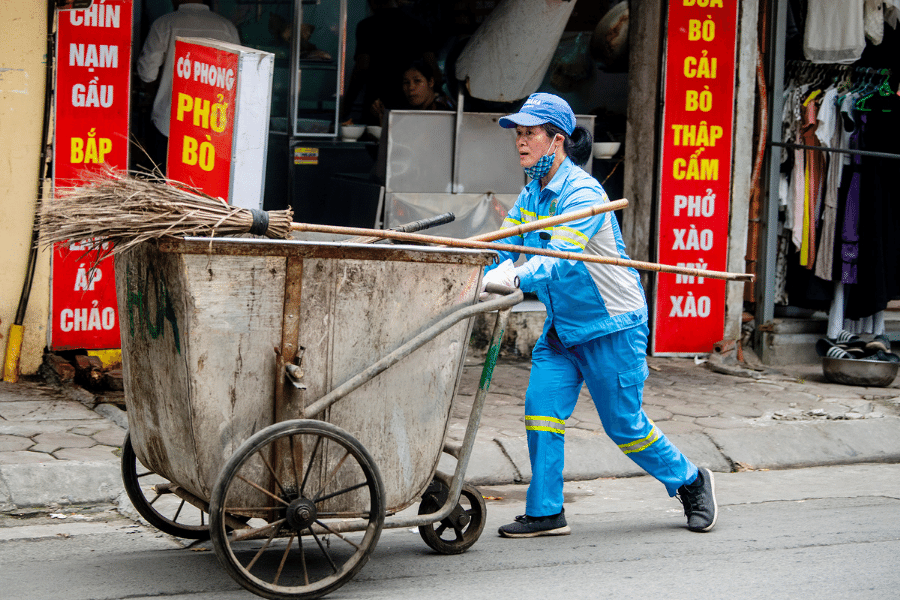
(457, 532)
(152, 496)
(303, 485)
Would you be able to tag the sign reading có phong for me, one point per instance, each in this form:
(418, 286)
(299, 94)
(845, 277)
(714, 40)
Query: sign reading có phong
(695, 181)
(202, 123)
(210, 148)
(93, 60)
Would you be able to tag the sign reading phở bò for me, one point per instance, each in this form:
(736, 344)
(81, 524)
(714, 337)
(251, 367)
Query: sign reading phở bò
(93, 66)
(695, 182)
(218, 130)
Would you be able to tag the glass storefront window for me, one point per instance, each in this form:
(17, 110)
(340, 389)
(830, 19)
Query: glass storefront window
(267, 25)
(310, 63)
(319, 71)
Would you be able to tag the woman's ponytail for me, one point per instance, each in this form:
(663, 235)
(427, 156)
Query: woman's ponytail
(582, 146)
(577, 146)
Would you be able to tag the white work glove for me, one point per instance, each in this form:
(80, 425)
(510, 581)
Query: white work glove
(504, 274)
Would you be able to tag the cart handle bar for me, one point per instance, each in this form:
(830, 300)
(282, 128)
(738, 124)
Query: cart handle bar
(510, 298)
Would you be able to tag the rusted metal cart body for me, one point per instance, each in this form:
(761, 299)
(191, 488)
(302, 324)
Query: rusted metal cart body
(256, 371)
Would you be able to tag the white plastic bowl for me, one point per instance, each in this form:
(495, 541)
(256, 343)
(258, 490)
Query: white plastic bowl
(606, 149)
(351, 133)
(375, 131)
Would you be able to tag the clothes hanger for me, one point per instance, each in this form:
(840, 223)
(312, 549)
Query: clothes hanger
(845, 85)
(867, 92)
(884, 88)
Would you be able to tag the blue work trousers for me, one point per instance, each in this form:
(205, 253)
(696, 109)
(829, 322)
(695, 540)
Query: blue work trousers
(614, 368)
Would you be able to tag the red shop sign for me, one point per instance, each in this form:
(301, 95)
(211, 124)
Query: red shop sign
(695, 182)
(93, 67)
(201, 128)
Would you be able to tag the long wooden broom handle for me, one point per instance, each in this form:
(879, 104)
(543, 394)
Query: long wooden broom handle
(506, 231)
(478, 245)
(550, 221)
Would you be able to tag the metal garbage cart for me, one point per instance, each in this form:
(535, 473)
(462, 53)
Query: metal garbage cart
(299, 393)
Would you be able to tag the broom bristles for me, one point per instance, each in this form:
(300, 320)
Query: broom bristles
(127, 209)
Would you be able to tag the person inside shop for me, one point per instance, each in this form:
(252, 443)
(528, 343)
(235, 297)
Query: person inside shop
(596, 326)
(192, 18)
(386, 42)
(418, 86)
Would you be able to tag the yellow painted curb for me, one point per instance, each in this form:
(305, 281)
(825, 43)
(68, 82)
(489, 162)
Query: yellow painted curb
(109, 358)
(13, 351)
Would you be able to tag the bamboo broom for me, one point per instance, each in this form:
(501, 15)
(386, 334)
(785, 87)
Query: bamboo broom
(126, 210)
(113, 206)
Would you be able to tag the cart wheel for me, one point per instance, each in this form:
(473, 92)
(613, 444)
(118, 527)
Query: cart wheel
(306, 479)
(150, 495)
(461, 528)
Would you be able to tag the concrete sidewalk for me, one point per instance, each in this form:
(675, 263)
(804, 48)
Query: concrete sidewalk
(745, 420)
(55, 450)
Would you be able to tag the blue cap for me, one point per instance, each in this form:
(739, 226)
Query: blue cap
(540, 109)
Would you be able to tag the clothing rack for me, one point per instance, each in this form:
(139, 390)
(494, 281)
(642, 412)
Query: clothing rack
(805, 72)
(849, 79)
(839, 150)
(859, 78)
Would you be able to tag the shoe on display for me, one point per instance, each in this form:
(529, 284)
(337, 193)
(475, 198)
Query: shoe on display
(825, 347)
(879, 342)
(845, 337)
(882, 356)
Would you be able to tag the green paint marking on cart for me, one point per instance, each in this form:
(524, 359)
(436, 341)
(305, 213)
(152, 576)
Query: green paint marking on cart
(137, 300)
(490, 362)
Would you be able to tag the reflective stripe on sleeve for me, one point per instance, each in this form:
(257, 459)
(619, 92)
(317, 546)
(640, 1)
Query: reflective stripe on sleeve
(570, 235)
(641, 444)
(528, 216)
(550, 424)
(510, 222)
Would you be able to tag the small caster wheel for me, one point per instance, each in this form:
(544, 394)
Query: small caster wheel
(457, 532)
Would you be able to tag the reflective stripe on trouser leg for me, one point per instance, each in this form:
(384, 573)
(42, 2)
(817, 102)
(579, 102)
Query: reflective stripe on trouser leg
(552, 393)
(615, 367)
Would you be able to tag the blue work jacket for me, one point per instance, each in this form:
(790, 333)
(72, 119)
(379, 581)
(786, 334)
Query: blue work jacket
(584, 300)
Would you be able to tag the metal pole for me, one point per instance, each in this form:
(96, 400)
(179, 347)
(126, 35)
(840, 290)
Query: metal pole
(838, 150)
(454, 166)
(765, 311)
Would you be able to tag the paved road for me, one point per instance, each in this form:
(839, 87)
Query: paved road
(827, 532)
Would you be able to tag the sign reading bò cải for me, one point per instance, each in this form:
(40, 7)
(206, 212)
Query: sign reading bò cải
(695, 182)
(93, 66)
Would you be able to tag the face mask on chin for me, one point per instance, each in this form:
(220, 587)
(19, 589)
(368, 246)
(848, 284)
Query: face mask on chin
(539, 169)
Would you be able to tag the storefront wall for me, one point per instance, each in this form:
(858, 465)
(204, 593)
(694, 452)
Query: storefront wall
(21, 100)
(22, 75)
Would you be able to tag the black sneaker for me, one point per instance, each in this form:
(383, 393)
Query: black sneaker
(699, 500)
(525, 526)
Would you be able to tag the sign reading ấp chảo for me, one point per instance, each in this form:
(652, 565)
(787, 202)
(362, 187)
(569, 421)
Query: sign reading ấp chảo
(93, 60)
